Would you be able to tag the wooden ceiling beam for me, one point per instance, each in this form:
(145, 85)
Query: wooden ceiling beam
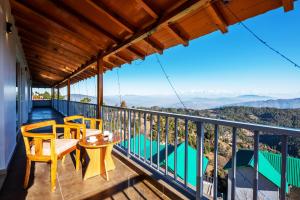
(111, 15)
(136, 52)
(171, 17)
(42, 71)
(47, 68)
(147, 8)
(42, 80)
(154, 44)
(82, 68)
(53, 48)
(42, 50)
(107, 60)
(217, 17)
(49, 61)
(176, 33)
(64, 39)
(108, 66)
(29, 36)
(120, 57)
(23, 11)
(64, 16)
(288, 5)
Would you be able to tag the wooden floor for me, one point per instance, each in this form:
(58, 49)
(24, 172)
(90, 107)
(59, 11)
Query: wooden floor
(124, 183)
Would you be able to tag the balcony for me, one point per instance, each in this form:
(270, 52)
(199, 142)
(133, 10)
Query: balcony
(142, 162)
(56, 44)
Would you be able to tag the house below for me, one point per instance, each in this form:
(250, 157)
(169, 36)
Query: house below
(269, 168)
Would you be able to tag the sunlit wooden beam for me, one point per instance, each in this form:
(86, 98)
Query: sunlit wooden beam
(136, 52)
(288, 5)
(154, 44)
(120, 57)
(111, 15)
(147, 8)
(174, 31)
(217, 17)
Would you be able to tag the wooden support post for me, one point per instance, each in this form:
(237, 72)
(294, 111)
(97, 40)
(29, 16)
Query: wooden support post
(58, 98)
(52, 97)
(69, 97)
(100, 70)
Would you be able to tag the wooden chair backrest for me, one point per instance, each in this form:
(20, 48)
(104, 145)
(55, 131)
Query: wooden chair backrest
(93, 122)
(37, 139)
(71, 119)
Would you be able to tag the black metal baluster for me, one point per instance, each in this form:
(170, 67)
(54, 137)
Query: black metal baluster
(233, 163)
(200, 154)
(255, 178)
(166, 145)
(175, 148)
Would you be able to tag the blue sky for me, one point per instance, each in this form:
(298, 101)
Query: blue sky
(219, 64)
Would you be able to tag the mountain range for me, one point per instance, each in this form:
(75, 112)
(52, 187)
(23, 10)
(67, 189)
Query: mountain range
(194, 102)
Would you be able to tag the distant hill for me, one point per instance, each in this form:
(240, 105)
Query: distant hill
(171, 101)
(272, 103)
(207, 103)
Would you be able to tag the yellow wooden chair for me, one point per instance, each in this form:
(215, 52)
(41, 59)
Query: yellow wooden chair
(45, 147)
(95, 125)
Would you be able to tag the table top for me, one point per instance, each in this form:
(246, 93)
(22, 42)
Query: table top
(101, 141)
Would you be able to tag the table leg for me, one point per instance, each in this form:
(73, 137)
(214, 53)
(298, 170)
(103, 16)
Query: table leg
(110, 165)
(95, 163)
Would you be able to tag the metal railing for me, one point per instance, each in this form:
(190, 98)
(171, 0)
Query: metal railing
(75, 108)
(162, 134)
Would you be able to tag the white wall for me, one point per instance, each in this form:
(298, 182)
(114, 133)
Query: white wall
(244, 184)
(10, 52)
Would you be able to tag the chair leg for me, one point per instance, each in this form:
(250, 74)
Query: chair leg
(27, 173)
(53, 174)
(77, 159)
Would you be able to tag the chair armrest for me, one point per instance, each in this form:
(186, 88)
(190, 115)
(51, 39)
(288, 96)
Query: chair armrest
(43, 136)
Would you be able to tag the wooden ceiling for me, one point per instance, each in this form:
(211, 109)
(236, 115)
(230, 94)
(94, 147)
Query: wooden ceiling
(62, 39)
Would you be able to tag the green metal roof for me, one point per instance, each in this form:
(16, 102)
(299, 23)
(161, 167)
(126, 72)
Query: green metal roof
(293, 167)
(192, 163)
(148, 144)
(192, 156)
(245, 158)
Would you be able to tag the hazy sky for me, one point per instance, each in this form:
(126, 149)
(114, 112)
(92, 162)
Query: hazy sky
(219, 64)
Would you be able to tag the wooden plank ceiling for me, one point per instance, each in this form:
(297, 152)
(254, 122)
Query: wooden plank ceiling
(62, 39)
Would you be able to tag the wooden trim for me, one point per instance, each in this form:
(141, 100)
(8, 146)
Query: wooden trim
(217, 17)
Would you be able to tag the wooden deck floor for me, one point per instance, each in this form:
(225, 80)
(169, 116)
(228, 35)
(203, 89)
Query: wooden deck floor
(124, 183)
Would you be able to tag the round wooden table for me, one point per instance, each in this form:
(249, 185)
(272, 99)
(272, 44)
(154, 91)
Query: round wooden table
(99, 159)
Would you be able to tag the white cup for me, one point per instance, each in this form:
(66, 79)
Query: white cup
(106, 133)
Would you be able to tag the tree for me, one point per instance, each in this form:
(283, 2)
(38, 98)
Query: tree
(85, 100)
(46, 95)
